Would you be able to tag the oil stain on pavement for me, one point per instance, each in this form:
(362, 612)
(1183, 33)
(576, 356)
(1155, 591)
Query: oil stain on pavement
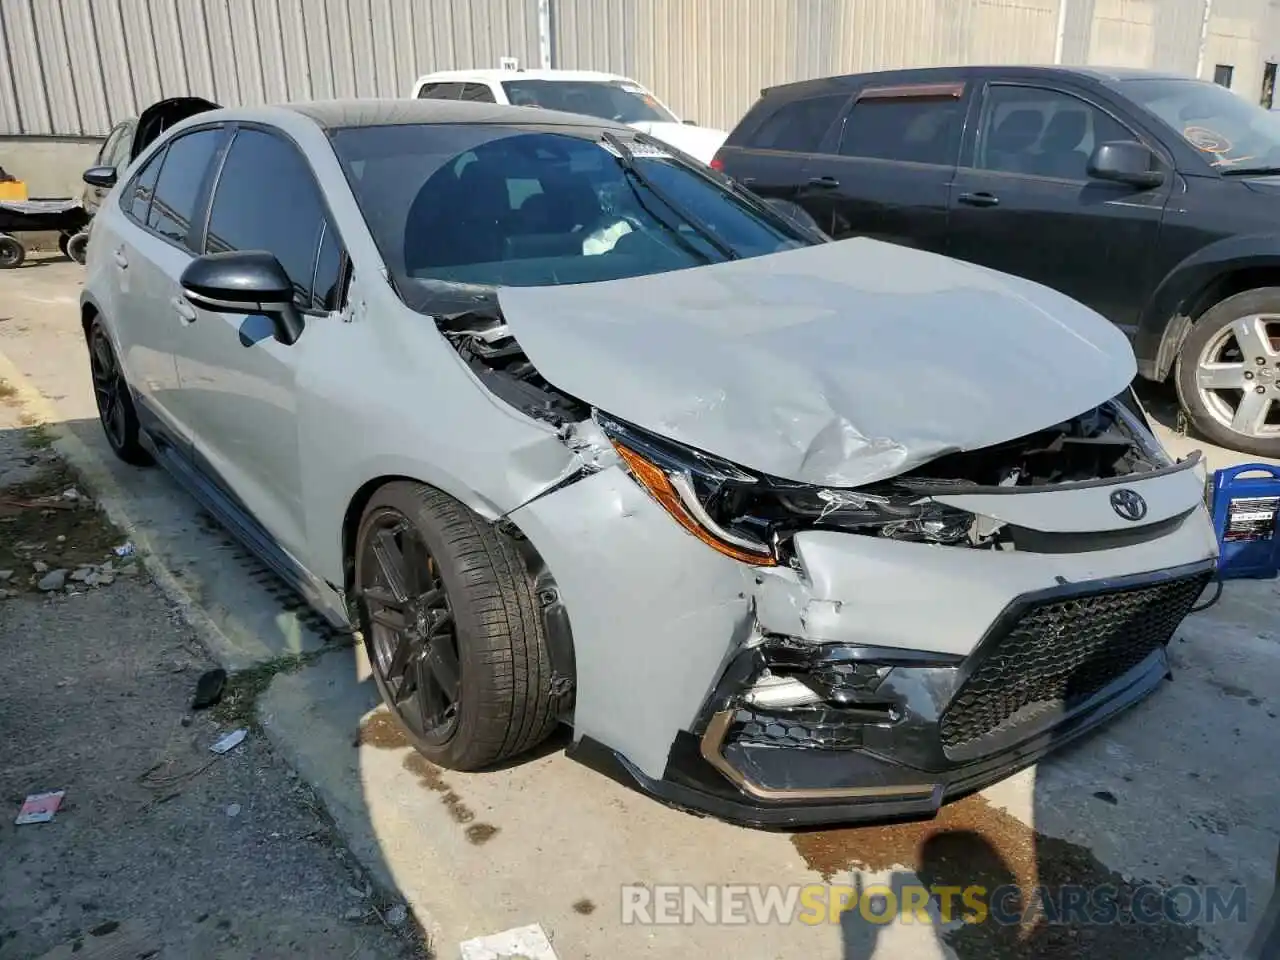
(381, 730)
(971, 843)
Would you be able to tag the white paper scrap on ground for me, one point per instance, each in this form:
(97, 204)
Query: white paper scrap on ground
(229, 742)
(528, 943)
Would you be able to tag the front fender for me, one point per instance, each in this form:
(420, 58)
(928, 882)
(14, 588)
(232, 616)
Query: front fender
(1177, 300)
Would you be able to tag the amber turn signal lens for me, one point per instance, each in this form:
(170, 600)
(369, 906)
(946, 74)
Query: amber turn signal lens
(654, 479)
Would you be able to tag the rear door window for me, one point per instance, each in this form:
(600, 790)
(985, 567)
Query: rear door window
(799, 126)
(178, 189)
(477, 93)
(267, 199)
(920, 125)
(440, 91)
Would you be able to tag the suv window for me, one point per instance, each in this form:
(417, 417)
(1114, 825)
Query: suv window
(440, 91)
(916, 129)
(186, 161)
(267, 199)
(800, 125)
(1044, 133)
(477, 92)
(136, 198)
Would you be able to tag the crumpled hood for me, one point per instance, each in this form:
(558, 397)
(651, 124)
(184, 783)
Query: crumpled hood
(838, 364)
(701, 143)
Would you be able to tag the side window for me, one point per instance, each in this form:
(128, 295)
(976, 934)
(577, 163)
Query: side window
(111, 146)
(119, 155)
(186, 161)
(136, 198)
(798, 126)
(477, 92)
(267, 199)
(905, 127)
(440, 91)
(1044, 133)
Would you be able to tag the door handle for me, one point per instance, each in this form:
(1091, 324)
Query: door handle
(185, 310)
(980, 199)
(824, 183)
(121, 260)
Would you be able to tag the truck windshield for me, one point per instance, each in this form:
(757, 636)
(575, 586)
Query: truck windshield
(614, 100)
(1234, 135)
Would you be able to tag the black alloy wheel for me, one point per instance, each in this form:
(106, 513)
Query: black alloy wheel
(413, 646)
(114, 399)
(453, 629)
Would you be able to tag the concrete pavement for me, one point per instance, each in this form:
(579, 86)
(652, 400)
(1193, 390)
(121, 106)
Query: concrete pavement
(1175, 792)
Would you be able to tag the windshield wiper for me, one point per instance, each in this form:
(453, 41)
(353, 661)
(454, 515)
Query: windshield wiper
(1248, 171)
(628, 161)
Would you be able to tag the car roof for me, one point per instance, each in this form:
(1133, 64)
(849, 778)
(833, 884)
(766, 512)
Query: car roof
(332, 114)
(500, 75)
(1105, 75)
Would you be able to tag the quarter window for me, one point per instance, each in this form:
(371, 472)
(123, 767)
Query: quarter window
(186, 161)
(137, 196)
(267, 199)
(440, 91)
(916, 129)
(1044, 133)
(799, 126)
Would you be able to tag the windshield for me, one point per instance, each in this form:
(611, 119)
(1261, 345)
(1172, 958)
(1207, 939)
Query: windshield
(1233, 134)
(615, 100)
(504, 206)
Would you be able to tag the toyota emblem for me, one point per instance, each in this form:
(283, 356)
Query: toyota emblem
(1129, 504)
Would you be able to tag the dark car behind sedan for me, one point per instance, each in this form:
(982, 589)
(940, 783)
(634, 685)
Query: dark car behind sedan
(1153, 198)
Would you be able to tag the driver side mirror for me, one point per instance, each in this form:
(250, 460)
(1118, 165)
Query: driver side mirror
(1125, 161)
(104, 177)
(248, 282)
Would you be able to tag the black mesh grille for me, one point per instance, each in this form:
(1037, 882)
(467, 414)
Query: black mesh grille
(1062, 651)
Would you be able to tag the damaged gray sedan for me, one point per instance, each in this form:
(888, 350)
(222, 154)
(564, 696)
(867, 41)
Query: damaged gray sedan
(789, 531)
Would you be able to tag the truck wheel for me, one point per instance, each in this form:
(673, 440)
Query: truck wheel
(453, 629)
(1228, 373)
(12, 253)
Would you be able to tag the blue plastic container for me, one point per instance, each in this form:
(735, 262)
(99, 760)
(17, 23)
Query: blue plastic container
(1244, 519)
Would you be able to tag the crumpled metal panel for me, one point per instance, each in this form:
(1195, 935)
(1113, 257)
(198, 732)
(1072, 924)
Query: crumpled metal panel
(838, 364)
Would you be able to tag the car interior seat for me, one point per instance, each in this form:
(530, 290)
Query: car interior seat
(1009, 147)
(1060, 154)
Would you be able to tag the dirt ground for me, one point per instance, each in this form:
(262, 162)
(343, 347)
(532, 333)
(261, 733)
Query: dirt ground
(160, 848)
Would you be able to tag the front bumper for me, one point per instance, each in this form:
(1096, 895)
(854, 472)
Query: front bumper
(1055, 664)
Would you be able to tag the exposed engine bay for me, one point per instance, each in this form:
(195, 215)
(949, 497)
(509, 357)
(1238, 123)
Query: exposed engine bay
(757, 514)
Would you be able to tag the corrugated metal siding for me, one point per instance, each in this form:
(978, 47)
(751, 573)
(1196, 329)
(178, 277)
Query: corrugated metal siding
(73, 67)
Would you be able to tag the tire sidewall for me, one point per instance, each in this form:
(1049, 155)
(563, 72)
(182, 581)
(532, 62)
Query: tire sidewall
(12, 253)
(1211, 322)
(474, 675)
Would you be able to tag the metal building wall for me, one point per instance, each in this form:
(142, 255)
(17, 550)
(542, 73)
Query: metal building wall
(709, 59)
(72, 67)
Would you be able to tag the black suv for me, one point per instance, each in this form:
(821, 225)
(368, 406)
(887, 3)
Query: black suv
(1154, 199)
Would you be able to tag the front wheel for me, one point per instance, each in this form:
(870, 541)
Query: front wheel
(12, 252)
(1228, 373)
(453, 629)
(78, 247)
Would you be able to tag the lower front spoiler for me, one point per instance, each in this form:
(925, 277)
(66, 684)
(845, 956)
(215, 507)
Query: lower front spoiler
(699, 779)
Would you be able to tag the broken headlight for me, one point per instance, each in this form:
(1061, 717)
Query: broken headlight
(749, 516)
